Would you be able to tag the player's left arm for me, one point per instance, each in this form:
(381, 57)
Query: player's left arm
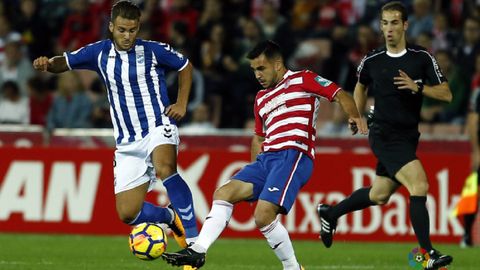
(169, 57)
(440, 91)
(178, 110)
(355, 121)
(472, 127)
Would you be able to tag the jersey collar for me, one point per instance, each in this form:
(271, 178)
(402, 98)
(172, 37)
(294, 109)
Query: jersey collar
(395, 55)
(132, 49)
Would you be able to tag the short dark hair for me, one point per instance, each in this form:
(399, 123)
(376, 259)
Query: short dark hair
(125, 9)
(396, 6)
(267, 47)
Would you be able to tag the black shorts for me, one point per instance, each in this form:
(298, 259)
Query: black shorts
(393, 148)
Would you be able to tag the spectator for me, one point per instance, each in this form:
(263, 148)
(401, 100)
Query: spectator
(251, 34)
(326, 16)
(468, 47)
(34, 30)
(40, 100)
(366, 40)
(219, 60)
(17, 66)
(71, 107)
(5, 33)
(180, 11)
(424, 39)
(80, 27)
(201, 120)
(212, 14)
(100, 106)
(180, 40)
(421, 20)
(443, 37)
(276, 27)
(302, 14)
(13, 107)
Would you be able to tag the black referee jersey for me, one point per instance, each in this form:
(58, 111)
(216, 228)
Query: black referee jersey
(398, 108)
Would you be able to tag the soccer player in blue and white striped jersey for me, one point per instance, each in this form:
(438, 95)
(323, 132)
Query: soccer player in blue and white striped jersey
(143, 117)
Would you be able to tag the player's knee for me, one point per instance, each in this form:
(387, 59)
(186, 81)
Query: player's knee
(222, 194)
(127, 213)
(263, 217)
(163, 171)
(419, 188)
(380, 198)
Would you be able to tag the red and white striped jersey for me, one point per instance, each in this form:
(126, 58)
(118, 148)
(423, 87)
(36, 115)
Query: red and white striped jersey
(286, 113)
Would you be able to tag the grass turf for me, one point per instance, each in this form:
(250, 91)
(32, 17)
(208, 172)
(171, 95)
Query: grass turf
(73, 252)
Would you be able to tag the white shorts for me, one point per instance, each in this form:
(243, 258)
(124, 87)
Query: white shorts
(133, 163)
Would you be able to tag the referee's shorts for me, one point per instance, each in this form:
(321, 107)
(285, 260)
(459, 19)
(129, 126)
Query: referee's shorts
(394, 148)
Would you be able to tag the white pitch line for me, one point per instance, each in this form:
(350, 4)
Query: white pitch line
(24, 263)
(309, 267)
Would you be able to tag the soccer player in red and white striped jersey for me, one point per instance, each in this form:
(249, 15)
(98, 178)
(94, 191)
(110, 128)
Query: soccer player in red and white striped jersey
(285, 113)
(282, 154)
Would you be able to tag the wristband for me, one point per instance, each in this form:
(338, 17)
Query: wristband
(420, 87)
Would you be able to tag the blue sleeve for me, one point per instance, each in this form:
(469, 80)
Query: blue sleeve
(85, 57)
(167, 56)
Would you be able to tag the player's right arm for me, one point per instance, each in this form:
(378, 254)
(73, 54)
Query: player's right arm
(57, 64)
(472, 127)
(472, 130)
(256, 146)
(259, 131)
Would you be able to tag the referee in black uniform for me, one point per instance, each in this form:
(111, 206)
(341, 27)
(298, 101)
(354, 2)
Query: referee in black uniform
(398, 75)
(473, 123)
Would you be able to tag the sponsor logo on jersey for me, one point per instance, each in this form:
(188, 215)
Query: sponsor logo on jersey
(322, 81)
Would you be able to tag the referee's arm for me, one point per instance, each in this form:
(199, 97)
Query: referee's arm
(360, 96)
(440, 91)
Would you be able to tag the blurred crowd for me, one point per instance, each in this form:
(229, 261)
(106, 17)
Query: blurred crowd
(326, 36)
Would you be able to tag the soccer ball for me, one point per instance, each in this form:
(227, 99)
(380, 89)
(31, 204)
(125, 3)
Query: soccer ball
(147, 241)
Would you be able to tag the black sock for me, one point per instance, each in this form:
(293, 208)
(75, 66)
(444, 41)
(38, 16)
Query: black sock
(468, 220)
(358, 200)
(420, 221)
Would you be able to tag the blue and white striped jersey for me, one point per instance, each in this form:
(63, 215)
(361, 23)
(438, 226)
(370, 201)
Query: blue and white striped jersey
(135, 81)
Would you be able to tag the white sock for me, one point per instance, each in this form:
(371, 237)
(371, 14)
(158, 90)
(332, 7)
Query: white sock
(216, 221)
(191, 240)
(278, 239)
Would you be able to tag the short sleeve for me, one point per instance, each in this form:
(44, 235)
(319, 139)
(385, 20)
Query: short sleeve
(362, 72)
(319, 85)
(85, 57)
(167, 56)
(433, 72)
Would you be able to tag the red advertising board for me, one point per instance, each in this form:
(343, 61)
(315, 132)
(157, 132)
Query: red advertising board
(71, 191)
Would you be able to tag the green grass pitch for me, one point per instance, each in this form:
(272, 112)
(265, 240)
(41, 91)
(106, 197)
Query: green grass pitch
(73, 252)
